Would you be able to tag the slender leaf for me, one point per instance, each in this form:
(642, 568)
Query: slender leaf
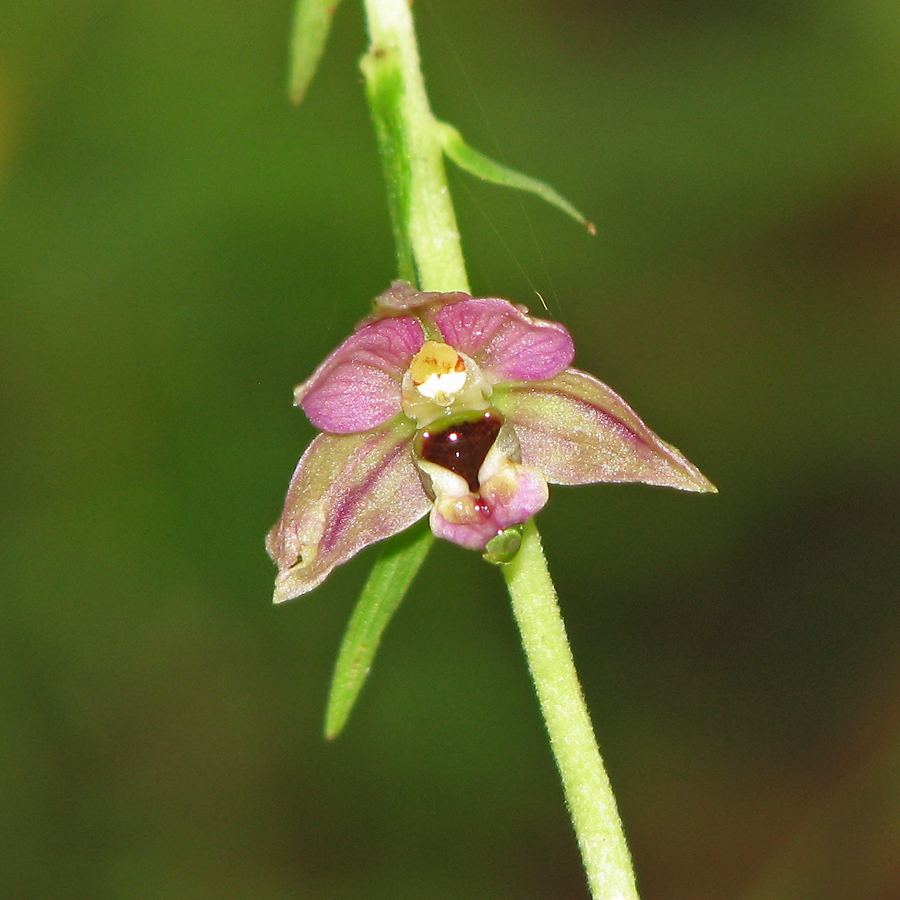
(388, 583)
(312, 22)
(484, 167)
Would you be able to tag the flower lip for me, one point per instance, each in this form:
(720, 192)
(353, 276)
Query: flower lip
(460, 444)
(509, 494)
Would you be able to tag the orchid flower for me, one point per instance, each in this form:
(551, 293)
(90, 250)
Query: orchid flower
(458, 407)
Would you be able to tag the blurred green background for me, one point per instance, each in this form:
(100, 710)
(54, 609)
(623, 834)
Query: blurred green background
(179, 247)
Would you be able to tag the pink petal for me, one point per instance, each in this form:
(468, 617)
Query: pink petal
(576, 430)
(357, 387)
(508, 344)
(348, 491)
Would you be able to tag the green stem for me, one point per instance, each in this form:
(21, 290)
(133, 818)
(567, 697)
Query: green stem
(412, 154)
(428, 247)
(592, 805)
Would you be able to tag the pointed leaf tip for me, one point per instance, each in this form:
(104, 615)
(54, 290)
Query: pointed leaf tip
(577, 430)
(476, 163)
(312, 22)
(385, 589)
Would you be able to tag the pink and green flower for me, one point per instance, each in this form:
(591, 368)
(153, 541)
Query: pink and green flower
(460, 408)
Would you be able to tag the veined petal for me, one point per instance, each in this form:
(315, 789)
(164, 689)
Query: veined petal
(347, 492)
(357, 387)
(506, 342)
(576, 430)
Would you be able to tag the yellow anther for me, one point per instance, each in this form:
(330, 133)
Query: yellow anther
(435, 359)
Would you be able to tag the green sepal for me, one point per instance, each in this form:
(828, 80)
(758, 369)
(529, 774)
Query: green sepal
(475, 163)
(385, 589)
(312, 22)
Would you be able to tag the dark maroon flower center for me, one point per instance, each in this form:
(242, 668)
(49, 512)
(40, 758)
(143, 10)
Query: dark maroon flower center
(460, 446)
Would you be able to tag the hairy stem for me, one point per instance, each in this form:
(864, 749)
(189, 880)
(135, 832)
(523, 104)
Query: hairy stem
(592, 805)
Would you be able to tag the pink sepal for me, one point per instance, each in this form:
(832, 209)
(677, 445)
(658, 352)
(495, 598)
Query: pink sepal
(347, 492)
(577, 430)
